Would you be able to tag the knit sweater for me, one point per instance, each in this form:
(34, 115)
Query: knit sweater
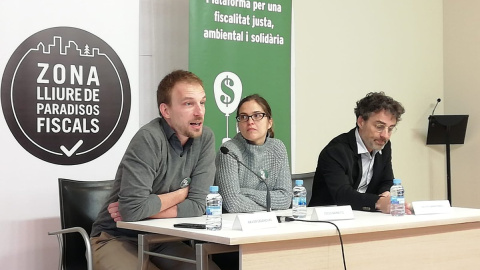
(241, 190)
(150, 166)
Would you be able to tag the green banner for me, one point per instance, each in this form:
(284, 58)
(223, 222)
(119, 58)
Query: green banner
(238, 48)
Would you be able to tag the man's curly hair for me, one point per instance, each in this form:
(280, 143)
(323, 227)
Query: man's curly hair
(374, 102)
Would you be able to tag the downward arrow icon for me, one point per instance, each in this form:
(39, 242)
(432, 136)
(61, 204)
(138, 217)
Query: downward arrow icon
(70, 152)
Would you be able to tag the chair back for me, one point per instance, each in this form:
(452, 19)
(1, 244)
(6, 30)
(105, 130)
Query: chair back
(307, 182)
(80, 203)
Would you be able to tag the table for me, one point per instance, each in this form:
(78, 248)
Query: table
(371, 241)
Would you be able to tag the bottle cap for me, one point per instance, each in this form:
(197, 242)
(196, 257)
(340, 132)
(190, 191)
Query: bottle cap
(397, 181)
(213, 188)
(299, 182)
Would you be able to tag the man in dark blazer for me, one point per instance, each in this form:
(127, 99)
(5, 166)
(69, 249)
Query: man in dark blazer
(355, 168)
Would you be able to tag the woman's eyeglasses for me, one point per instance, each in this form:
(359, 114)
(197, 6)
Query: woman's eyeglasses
(255, 117)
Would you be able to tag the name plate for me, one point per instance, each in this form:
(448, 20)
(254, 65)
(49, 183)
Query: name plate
(431, 207)
(332, 212)
(255, 221)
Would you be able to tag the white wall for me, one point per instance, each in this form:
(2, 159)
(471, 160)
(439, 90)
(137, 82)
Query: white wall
(163, 48)
(347, 48)
(343, 50)
(462, 84)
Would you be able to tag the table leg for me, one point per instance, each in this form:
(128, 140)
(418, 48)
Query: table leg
(203, 250)
(142, 256)
(201, 257)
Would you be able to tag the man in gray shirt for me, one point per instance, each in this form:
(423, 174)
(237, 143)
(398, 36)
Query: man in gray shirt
(161, 155)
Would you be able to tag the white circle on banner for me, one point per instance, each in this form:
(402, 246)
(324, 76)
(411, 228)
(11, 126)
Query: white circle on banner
(227, 89)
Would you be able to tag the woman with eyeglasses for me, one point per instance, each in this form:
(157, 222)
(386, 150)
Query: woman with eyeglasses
(243, 190)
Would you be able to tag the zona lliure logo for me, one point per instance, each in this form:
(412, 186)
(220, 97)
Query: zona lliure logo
(65, 95)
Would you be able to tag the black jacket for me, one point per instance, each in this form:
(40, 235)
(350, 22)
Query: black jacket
(339, 171)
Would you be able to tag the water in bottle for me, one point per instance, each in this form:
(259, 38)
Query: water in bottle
(397, 198)
(299, 202)
(214, 209)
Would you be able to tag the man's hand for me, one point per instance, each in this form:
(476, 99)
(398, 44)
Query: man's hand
(408, 208)
(383, 203)
(173, 198)
(385, 194)
(184, 192)
(113, 210)
(169, 203)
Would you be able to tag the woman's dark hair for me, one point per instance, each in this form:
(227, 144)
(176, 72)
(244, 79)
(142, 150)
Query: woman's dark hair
(265, 106)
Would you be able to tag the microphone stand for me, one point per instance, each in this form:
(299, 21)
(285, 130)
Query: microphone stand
(431, 115)
(225, 151)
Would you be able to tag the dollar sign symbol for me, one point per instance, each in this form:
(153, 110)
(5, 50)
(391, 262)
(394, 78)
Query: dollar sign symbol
(228, 94)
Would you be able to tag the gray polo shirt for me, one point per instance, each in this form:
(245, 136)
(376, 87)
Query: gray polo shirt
(150, 166)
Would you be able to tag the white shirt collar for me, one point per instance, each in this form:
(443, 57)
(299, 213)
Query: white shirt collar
(362, 149)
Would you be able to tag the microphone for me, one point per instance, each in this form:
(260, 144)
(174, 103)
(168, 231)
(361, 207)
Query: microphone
(225, 151)
(438, 101)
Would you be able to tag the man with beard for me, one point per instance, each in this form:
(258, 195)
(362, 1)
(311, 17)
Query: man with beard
(355, 168)
(150, 181)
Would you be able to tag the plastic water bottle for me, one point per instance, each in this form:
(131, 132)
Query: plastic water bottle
(397, 198)
(299, 202)
(214, 210)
